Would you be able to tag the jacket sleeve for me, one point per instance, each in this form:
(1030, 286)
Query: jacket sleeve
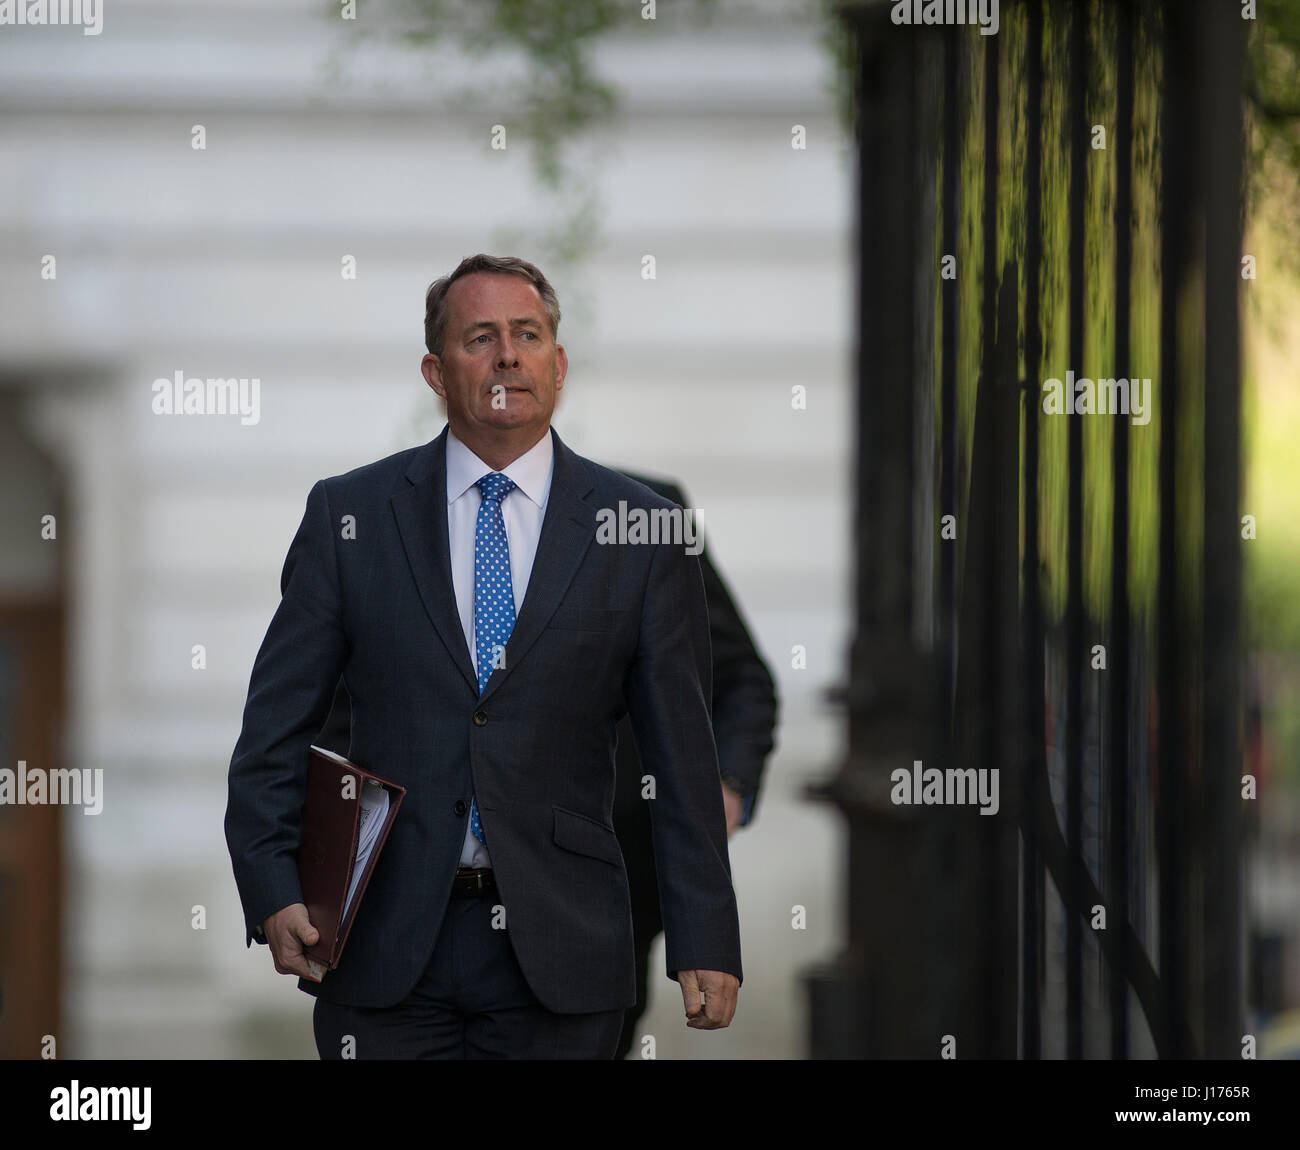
(289, 696)
(667, 692)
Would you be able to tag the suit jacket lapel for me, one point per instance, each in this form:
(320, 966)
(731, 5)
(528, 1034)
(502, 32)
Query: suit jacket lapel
(421, 512)
(568, 528)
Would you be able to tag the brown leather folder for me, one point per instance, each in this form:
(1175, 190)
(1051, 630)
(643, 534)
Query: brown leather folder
(331, 833)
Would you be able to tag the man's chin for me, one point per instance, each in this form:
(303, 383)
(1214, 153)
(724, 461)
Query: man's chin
(516, 415)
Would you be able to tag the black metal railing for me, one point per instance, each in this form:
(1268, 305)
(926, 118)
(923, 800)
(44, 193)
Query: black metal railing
(1052, 596)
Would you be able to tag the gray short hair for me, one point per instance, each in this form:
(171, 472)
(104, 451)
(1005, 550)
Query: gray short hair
(435, 300)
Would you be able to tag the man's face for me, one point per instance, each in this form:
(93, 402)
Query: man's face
(500, 369)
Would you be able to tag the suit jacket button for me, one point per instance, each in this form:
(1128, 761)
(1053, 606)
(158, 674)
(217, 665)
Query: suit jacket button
(480, 718)
(460, 808)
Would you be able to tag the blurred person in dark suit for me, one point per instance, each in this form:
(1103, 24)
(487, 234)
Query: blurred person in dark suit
(744, 722)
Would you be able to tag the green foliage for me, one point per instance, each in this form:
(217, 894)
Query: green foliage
(560, 96)
(1273, 87)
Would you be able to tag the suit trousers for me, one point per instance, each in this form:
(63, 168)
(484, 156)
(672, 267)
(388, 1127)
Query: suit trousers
(472, 1002)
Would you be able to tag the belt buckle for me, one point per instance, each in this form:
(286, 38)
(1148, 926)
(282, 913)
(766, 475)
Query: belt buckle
(474, 881)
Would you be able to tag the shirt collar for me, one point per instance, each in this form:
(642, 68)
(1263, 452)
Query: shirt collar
(531, 472)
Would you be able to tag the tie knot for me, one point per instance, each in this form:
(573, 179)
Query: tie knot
(496, 486)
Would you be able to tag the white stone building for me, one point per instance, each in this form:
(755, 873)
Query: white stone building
(327, 139)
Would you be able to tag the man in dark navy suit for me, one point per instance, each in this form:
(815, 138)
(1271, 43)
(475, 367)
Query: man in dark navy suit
(490, 644)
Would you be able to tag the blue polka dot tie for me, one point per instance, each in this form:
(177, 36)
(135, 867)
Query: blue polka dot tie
(494, 594)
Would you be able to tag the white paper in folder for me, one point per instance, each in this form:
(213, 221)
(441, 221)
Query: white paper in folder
(374, 809)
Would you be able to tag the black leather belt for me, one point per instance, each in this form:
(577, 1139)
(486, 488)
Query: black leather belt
(471, 883)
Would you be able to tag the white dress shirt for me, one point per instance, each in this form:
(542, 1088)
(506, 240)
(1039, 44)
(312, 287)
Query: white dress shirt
(522, 511)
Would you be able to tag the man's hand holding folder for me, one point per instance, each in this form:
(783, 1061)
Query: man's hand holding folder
(346, 818)
(288, 932)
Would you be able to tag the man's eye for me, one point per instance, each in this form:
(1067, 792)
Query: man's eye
(531, 334)
(480, 338)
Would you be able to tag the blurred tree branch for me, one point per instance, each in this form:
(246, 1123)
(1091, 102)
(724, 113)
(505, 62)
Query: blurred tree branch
(545, 49)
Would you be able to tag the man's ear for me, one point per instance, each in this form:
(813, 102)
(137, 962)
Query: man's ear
(561, 366)
(431, 369)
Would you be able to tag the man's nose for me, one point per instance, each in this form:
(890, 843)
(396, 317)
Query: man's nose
(508, 356)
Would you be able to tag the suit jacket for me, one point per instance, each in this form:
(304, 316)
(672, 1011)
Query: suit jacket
(744, 710)
(603, 630)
